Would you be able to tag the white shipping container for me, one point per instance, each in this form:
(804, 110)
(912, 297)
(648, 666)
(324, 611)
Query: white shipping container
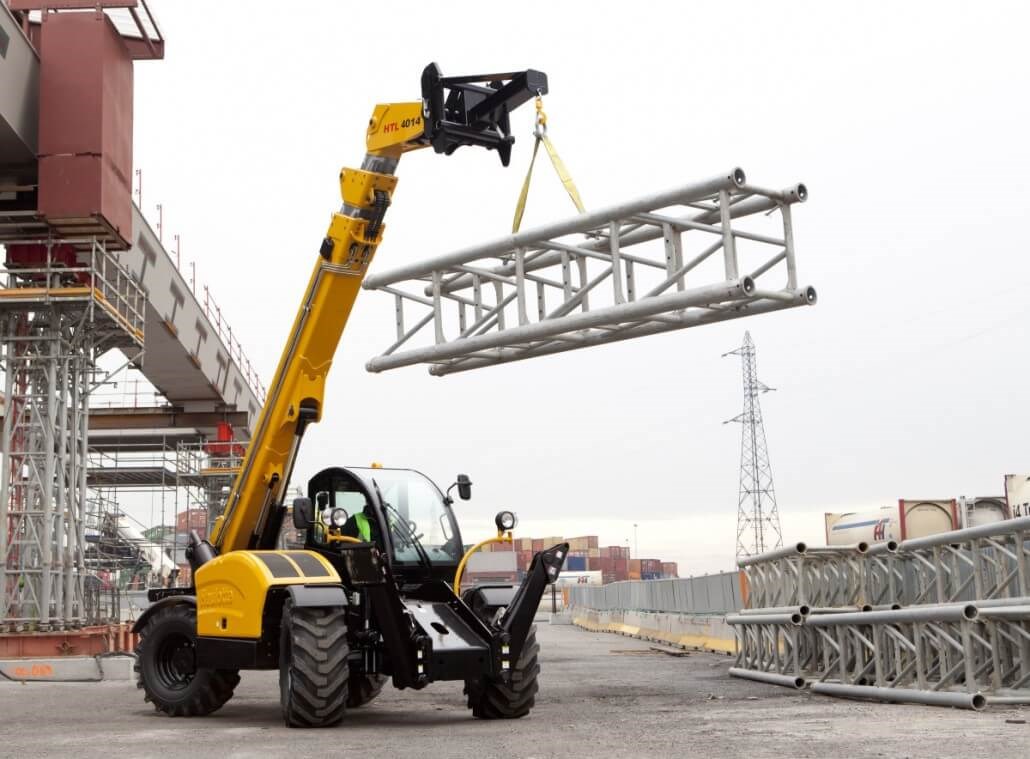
(975, 512)
(1017, 495)
(909, 519)
(590, 577)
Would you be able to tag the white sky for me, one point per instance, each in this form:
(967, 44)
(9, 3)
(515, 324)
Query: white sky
(906, 121)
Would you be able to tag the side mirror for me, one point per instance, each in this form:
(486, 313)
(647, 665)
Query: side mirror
(322, 500)
(303, 513)
(464, 487)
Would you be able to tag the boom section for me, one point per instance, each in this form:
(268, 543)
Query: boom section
(298, 387)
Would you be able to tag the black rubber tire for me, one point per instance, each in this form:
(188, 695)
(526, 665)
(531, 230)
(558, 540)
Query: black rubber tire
(364, 688)
(313, 668)
(164, 646)
(492, 699)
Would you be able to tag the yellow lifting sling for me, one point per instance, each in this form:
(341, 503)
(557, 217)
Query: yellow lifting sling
(540, 132)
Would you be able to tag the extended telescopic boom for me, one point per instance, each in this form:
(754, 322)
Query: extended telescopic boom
(454, 111)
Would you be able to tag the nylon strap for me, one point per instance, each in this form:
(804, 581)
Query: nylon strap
(556, 162)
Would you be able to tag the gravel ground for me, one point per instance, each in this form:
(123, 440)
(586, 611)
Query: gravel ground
(601, 696)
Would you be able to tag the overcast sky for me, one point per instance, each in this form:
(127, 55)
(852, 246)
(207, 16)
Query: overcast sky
(907, 122)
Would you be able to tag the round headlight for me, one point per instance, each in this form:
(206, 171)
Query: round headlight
(506, 520)
(338, 517)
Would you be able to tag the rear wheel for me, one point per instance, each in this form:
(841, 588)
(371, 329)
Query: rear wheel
(364, 688)
(493, 699)
(166, 666)
(313, 669)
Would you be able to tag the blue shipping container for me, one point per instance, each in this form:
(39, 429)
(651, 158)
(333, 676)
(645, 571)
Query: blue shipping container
(576, 563)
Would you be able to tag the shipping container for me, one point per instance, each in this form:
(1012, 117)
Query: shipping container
(1017, 495)
(524, 544)
(576, 563)
(537, 545)
(191, 519)
(525, 558)
(601, 563)
(974, 512)
(909, 519)
(583, 543)
(670, 570)
(650, 566)
(634, 567)
(579, 578)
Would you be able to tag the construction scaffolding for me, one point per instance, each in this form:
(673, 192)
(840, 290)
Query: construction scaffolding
(63, 304)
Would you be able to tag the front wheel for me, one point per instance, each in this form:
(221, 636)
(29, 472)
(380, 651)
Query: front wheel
(313, 668)
(166, 668)
(493, 699)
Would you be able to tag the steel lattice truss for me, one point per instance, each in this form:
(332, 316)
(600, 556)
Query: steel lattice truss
(938, 620)
(965, 655)
(717, 250)
(988, 562)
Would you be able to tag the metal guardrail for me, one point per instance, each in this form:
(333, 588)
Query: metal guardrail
(232, 344)
(96, 277)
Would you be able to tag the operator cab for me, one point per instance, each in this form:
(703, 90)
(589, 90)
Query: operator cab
(421, 537)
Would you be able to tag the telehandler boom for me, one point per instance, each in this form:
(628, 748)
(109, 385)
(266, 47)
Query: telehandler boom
(375, 593)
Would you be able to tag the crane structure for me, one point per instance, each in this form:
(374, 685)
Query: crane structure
(758, 519)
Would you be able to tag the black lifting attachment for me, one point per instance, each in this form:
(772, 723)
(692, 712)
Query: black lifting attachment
(473, 110)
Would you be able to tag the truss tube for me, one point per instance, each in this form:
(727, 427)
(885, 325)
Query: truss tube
(747, 207)
(625, 312)
(668, 324)
(732, 180)
(767, 201)
(780, 553)
(787, 681)
(992, 530)
(935, 613)
(794, 618)
(975, 701)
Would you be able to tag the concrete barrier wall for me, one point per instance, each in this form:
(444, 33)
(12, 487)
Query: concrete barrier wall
(706, 633)
(688, 612)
